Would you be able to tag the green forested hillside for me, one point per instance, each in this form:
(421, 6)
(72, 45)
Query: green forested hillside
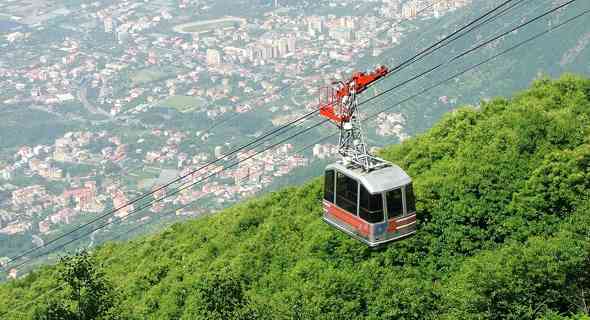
(504, 225)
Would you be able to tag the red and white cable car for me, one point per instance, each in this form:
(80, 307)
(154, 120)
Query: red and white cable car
(366, 197)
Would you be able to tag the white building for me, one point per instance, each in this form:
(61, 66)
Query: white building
(291, 44)
(410, 10)
(218, 152)
(283, 47)
(213, 57)
(109, 24)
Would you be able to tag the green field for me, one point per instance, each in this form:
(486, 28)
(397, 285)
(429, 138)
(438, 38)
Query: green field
(148, 75)
(144, 178)
(209, 25)
(183, 103)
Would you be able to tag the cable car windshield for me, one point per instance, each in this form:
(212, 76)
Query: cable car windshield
(410, 199)
(371, 206)
(329, 186)
(346, 192)
(395, 207)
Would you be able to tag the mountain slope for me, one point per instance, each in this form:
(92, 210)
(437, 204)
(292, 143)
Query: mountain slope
(504, 219)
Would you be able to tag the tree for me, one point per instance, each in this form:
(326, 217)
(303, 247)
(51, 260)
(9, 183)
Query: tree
(520, 281)
(87, 294)
(219, 296)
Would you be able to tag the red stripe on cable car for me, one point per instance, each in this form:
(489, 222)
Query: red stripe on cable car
(410, 217)
(348, 218)
(391, 226)
(396, 224)
(406, 221)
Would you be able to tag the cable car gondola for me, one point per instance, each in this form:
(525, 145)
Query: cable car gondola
(374, 207)
(366, 197)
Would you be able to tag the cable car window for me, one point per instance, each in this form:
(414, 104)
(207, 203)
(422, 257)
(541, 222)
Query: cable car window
(370, 206)
(394, 203)
(329, 186)
(346, 193)
(410, 199)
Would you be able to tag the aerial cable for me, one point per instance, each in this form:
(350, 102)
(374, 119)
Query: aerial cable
(447, 37)
(286, 127)
(428, 71)
(17, 266)
(466, 30)
(518, 45)
(473, 67)
(456, 35)
(462, 72)
(468, 51)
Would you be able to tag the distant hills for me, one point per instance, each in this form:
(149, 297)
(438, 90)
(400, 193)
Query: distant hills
(504, 216)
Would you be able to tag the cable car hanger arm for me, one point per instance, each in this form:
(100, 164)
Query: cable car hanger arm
(340, 105)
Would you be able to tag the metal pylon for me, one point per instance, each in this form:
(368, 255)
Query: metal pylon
(351, 143)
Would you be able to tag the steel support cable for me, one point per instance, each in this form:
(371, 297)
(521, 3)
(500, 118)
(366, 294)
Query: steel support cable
(485, 61)
(517, 18)
(17, 266)
(490, 15)
(266, 135)
(447, 37)
(466, 30)
(137, 199)
(454, 76)
(286, 127)
(319, 123)
(179, 189)
(472, 49)
(458, 34)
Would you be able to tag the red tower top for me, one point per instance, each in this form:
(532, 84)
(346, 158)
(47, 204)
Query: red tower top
(331, 100)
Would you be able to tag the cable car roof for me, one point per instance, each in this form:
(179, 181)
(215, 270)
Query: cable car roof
(376, 181)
